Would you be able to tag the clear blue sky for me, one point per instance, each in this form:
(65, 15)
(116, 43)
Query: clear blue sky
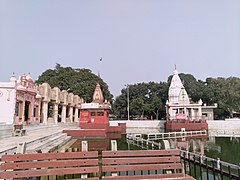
(138, 40)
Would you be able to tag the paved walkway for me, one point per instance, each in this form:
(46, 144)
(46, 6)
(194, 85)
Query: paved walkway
(34, 133)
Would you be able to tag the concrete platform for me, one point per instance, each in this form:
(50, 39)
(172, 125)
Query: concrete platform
(34, 136)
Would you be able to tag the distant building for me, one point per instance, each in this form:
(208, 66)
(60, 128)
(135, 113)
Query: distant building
(181, 112)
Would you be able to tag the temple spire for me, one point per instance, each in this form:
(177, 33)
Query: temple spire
(97, 95)
(177, 93)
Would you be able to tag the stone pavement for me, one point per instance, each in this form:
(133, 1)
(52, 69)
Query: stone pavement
(34, 135)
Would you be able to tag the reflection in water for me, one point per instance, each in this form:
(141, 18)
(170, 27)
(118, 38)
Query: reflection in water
(227, 149)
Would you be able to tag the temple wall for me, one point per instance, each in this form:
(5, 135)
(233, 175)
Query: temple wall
(139, 123)
(7, 103)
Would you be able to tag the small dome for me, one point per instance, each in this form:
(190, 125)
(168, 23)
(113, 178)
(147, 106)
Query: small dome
(28, 77)
(13, 78)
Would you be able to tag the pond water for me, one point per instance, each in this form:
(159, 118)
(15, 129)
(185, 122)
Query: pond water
(225, 148)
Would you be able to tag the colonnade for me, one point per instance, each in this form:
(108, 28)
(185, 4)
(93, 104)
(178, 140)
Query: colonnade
(67, 103)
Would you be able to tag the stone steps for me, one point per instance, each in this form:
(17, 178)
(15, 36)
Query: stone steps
(45, 143)
(56, 145)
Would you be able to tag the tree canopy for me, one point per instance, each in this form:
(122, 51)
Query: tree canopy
(81, 82)
(146, 99)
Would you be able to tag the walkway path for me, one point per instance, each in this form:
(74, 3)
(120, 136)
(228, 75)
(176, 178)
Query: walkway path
(35, 134)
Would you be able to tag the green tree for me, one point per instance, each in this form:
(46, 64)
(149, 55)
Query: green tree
(146, 99)
(81, 82)
(137, 107)
(226, 93)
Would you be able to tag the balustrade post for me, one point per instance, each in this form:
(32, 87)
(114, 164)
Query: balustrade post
(113, 145)
(218, 163)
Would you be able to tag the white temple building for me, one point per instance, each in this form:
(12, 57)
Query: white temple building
(179, 105)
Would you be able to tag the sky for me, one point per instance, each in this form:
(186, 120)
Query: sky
(138, 40)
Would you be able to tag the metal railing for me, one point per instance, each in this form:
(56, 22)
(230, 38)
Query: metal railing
(196, 165)
(214, 168)
(174, 135)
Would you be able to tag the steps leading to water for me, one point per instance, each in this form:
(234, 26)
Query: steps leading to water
(40, 137)
(47, 143)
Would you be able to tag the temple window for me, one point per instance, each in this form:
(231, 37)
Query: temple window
(100, 113)
(35, 111)
(93, 114)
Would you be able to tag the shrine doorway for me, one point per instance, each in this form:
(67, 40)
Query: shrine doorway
(27, 111)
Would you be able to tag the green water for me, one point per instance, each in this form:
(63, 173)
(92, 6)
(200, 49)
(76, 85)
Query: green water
(229, 150)
(226, 149)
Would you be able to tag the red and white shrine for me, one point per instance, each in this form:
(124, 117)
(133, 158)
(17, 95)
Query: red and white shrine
(96, 113)
(94, 119)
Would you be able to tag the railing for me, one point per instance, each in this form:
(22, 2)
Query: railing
(213, 167)
(174, 135)
(137, 140)
(196, 165)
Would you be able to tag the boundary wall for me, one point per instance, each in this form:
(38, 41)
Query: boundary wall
(224, 128)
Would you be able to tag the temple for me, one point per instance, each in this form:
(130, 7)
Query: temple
(94, 120)
(95, 113)
(181, 112)
(19, 101)
(24, 102)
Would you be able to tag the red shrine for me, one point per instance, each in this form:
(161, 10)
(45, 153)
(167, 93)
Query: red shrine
(95, 114)
(94, 121)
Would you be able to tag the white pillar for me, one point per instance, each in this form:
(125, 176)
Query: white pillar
(71, 113)
(64, 108)
(23, 112)
(55, 113)
(45, 112)
(192, 114)
(84, 146)
(113, 145)
(199, 113)
(76, 119)
(194, 146)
